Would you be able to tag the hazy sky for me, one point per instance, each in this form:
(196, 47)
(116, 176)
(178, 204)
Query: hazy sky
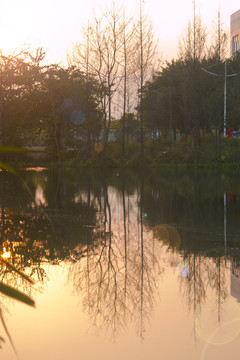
(56, 24)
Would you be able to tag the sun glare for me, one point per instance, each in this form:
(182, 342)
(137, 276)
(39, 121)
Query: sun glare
(6, 254)
(16, 26)
(56, 25)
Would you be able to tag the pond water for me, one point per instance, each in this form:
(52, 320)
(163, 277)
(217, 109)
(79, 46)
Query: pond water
(125, 265)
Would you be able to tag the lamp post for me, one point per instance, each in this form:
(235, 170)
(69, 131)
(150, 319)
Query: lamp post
(225, 101)
(225, 93)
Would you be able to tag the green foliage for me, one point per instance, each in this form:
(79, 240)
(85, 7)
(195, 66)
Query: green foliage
(8, 168)
(31, 101)
(16, 294)
(161, 153)
(184, 98)
(180, 99)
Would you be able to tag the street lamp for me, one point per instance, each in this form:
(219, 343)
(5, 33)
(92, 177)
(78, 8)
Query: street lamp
(225, 93)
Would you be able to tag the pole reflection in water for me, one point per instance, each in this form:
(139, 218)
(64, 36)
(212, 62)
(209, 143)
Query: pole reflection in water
(225, 225)
(143, 256)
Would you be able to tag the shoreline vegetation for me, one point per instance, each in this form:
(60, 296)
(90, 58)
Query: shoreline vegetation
(116, 94)
(157, 154)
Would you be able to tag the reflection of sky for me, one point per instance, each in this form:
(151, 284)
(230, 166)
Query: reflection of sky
(39, 196)
(180, 309)
(59, 327)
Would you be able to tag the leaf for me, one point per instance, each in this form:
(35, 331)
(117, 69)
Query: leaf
(15, 149)
(24, 150)
(17, 271)
(16, 294)
(8, 334)
(8, 168)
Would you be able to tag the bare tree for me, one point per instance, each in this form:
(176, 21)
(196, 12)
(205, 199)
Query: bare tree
(146, 60)
(99, 55)
(121, 53)
(192, 44)
(219, 46)
(192, 49)
(126, 72)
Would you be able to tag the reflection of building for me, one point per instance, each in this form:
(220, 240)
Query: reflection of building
(235, 32)
(235, 283)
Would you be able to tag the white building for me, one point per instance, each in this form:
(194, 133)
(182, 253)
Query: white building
(235, 32)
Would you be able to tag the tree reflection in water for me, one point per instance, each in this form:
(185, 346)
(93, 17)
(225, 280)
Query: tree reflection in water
(119, 234)
(14, 282)
(117, 278)
(205, 276)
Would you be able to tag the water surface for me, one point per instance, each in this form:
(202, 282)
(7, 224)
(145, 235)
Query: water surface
(126, 265)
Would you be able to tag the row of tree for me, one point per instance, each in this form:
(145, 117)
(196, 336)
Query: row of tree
(117, 62)
(188, 93)
(185, 98)
(35, 101)
(121, 52)
(113, 59)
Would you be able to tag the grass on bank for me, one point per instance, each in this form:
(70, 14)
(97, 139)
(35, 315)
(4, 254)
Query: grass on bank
(159, 153)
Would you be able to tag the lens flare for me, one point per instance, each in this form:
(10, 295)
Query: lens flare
(224, 328)
(184, 271)
(98, 147)
(73, 111)
(78, 117)
(68, 103)
(218, 320)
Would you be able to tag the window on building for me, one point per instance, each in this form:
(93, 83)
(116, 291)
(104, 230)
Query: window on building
(235, 44)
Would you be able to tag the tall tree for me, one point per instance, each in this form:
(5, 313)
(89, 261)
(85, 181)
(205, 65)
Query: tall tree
(192, 49)
(146, 60)
(101, 55)
(192, 44)
(128, 52)
(19, 75)
(219, 47)
(141, 75)
(69, 95)
(163, 110)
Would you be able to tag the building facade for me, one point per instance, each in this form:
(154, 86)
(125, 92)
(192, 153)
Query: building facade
(235, 32)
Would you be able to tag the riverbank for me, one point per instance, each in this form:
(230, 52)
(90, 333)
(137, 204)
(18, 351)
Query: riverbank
(161, 153)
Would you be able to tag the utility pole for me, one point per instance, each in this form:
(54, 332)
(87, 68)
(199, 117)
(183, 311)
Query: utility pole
(226, 75)
(141, 78)
(225, 101)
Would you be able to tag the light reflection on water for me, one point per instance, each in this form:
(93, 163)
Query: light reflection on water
(116, 276)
